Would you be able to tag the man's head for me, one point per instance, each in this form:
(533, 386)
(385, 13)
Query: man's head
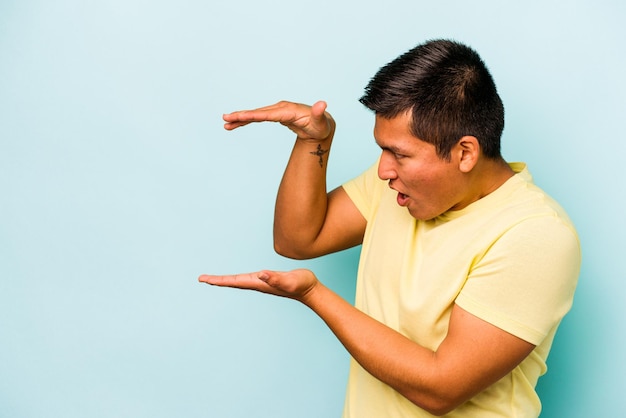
(448, 90)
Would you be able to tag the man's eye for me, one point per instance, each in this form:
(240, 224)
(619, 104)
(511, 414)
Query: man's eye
(398, 156)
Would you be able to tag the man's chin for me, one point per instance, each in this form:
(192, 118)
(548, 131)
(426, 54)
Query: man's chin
(421, 216)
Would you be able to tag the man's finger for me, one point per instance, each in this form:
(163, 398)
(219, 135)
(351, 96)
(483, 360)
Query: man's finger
(231, 280)
(318, 109)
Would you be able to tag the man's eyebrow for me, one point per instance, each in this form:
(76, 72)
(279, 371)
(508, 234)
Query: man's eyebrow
(390, 148)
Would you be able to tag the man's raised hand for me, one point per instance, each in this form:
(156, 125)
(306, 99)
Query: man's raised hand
(309, 123)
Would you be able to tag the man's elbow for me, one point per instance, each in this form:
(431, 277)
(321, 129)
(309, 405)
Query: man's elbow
(440, 409)
(437, 405)
(290, 251)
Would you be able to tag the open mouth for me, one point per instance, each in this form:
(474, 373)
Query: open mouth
(403, 199)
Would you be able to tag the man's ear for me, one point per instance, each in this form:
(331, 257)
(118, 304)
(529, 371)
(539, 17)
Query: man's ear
(468, 151)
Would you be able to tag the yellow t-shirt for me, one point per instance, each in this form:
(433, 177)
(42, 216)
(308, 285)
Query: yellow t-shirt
(511, 258)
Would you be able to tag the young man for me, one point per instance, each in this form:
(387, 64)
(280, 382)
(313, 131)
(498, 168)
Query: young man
(466, 267)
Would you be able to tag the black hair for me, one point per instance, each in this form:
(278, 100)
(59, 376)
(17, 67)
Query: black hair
(449, 91)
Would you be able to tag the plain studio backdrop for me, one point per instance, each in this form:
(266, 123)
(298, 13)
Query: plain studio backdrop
(119, 186)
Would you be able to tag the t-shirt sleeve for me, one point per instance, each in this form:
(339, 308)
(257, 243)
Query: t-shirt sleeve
(365, 190)
(524, 284)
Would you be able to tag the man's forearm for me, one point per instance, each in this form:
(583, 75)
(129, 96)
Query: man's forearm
(383, 352)
(302, 199)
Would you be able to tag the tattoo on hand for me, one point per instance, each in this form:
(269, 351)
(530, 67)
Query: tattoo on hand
(319, 152)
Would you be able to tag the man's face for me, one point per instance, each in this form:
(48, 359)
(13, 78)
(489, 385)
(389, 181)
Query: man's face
(426, 184)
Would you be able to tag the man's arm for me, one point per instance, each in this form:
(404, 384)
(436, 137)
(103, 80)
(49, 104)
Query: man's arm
(308, 221)
(473, 356)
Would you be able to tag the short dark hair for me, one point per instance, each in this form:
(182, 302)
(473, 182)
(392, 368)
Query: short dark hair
(448, 89)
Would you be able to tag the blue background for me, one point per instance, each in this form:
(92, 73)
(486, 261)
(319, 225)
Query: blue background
(119, 186)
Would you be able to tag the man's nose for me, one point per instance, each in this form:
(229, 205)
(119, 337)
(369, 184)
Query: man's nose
(386, 170)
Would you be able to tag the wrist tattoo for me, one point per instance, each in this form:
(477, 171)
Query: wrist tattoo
(319, 152)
